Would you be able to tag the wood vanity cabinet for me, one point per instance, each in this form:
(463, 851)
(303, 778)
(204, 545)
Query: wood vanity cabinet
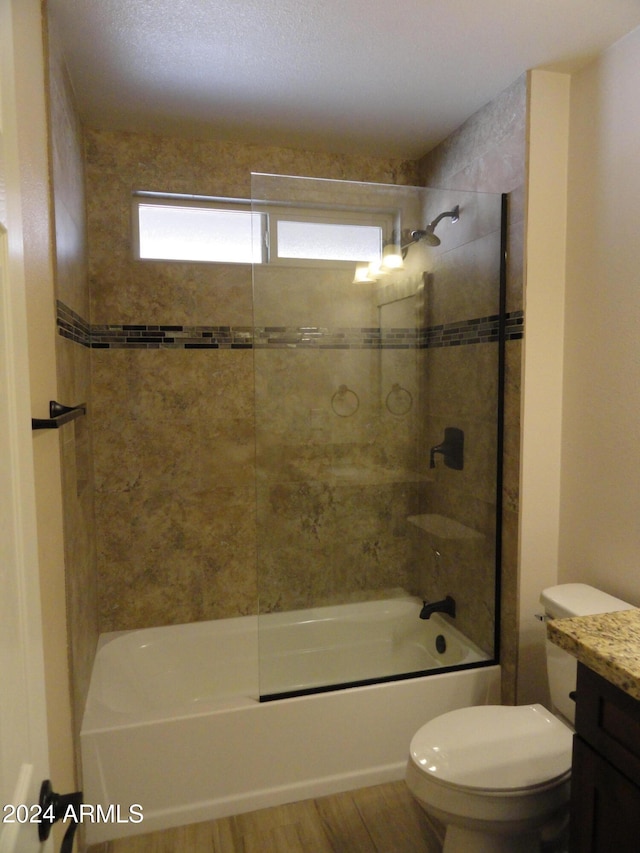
(605, 780)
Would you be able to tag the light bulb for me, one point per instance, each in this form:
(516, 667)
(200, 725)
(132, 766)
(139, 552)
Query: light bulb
(362, 274)
(392, 257)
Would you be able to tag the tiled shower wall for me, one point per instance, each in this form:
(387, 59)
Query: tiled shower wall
(487, 154)
(349, 505)
(460, 390)
(73, 375)
(336, 464)
(174, 422)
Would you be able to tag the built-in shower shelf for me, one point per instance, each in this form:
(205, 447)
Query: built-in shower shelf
(348, 473)
(372, 475)
(443, 527)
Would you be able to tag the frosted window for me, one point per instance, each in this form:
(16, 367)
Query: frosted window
(328, 241)
(183, 233)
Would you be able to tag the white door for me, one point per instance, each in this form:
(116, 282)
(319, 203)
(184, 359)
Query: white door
(23, 733)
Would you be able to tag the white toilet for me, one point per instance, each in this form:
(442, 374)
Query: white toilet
(496, 776)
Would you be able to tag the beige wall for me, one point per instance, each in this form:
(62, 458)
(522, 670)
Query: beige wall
(176, 541)
(150, 516)
(336, 473)
(174, 432)
(174, 429)
(487, 154)
(459, 388)
(38, 250)
(600, 498)
(546, 211)
(73, 374)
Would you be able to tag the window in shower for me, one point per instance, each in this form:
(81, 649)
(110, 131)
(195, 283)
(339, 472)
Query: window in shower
(305, 235)
(187, 228)
(178, 229)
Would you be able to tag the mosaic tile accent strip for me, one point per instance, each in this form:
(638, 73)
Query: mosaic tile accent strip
(477, 331)
(341, 338)
(72, 325)
(514, 326)
(140, 336)
(171, 337)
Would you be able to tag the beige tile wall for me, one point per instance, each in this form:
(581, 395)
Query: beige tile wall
(174, 429)
(176, 528)
(74, 377)
(487, 154)
(336, 482)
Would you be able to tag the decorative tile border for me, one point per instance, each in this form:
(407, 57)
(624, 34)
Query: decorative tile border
(139, 336)
(171, 337)
(514, 326)
(72, 325)
(320, 337)
(477, 331)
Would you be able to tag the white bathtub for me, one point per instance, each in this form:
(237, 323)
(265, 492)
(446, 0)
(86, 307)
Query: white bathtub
(173, 722)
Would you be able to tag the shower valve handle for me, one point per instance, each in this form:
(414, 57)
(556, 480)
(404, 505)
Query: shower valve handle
(452, 449)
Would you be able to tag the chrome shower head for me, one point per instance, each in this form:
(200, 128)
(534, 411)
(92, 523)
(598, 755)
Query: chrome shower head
(428, 234)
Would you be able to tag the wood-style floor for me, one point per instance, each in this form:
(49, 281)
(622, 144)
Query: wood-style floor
(381, 819)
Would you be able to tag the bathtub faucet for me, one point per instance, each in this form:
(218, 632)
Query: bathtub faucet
(447, 605)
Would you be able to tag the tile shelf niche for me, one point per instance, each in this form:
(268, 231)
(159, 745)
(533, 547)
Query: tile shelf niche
(443, 527)
(360, 474)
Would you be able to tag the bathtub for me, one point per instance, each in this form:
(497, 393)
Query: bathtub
(173, 724)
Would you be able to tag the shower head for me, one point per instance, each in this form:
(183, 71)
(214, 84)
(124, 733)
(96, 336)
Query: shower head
(428, 234)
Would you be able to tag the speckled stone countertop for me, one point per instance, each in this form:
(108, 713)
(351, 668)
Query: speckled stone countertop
(608, 643)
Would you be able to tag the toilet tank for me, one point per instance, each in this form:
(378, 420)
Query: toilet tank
(560, 602)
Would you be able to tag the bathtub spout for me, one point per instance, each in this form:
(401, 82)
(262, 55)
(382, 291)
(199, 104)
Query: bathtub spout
(447, 605)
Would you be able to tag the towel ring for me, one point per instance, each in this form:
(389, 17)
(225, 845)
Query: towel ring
(399, 401)
(345, 402)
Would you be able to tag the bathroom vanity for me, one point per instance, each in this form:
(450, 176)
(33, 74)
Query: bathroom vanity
(605, 785)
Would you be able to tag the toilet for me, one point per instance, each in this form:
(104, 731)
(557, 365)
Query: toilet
(498, 777)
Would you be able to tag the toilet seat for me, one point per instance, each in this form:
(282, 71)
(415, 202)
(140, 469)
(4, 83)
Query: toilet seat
(494, 749)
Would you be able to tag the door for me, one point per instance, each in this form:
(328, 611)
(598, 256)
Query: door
(23, 733)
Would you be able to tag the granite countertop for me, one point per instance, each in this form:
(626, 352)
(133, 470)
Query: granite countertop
(608, 643)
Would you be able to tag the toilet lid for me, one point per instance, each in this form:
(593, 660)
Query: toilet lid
(494, 748)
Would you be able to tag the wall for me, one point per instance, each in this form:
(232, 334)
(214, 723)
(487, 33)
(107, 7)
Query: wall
(174, 425)
(348, 505)
(545, 246)
(487, 154)
(336, 472)
(38, 249)
(73, 372)
(600, 499)
(459, 388)
(176, 528)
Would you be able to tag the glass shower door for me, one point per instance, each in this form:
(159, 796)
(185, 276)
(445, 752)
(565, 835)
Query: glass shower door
(345, 418)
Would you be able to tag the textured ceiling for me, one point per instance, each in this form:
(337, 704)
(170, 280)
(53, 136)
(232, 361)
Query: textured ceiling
(385, 78)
